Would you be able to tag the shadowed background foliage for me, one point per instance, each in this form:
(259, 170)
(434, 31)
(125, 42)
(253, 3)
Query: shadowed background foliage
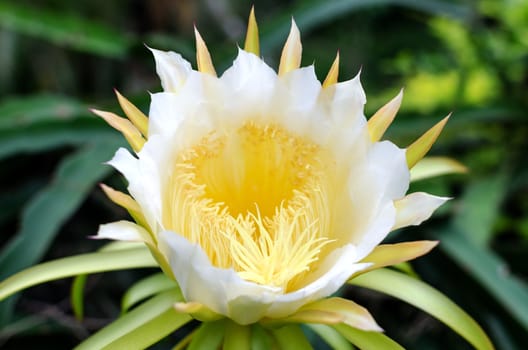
(58, 58)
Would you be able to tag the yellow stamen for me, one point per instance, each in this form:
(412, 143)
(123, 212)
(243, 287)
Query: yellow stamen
(333, 73)
(203, 57)
(419, 148)
(382, 119)
(132, 135)
(138, 118)
(256, 201)
(291, 53)
(252, 37)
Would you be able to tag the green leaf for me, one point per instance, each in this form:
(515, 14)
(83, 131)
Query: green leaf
(237, 336)
(311, 14)
(331, 336)
(45, 213)
(367, 340)
(64, 29)
(148, 315)
(291, 337)
(151, 331)
(22, 112)
(208, 336)
(45, 137)
(146, 288)
(77, 291)
(76, 265)
(479, 208)
(428, 299)
(490, 271)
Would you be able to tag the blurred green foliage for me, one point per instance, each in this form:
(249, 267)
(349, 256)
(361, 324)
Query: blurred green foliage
(58, 58)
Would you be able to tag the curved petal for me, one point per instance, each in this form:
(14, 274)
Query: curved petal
(248, 86)
(342, 107)
(123, 231)
(373, 185)
(172, 69)
(295, 99)
(224, 292)
(336, 268)
(143, 182)
(415, 208)
(191, 104)
(211, 286)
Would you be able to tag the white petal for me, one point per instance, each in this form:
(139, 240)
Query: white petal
(211, 286)
(342, 105)
(415, 208)
(223, 291)
(348, 100)
(373, 185)
(378, 228)
(124, 162)
(165, 114)
(193, 104)
(171, 68)
(295, 100)
(331, 275)
(248, 86)
(123, 231)
(249, 72)
(388, 168)
(143, 181)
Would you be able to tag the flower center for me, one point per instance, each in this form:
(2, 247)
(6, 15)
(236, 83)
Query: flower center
(255, 200)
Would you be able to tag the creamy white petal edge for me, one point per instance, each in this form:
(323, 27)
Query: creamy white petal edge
(415, 208)
(123, 231)
(193, 104)
(223, 291)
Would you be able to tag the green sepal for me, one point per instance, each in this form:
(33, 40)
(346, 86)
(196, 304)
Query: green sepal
(208, 336)
(435, 166)
(367, 340)
(291, 337)
(261, 339)
(145, 288)
(331, 336)
(237, 337)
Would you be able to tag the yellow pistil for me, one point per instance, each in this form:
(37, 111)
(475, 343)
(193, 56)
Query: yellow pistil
(256, 201)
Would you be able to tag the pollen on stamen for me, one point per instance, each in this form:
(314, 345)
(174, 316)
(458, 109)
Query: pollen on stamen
(255, 200)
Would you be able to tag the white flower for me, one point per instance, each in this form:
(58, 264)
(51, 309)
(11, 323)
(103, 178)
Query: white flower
(261, 192)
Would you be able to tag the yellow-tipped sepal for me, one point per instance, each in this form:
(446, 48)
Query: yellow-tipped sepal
(138, 118)
(197, 311)
(292, 51)
(252, 37)
(333, 73)
(127, 202)
(419, 148)
(392, 254)
(203, 57)
(382, 119)
(131, 133)
(331, 311)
